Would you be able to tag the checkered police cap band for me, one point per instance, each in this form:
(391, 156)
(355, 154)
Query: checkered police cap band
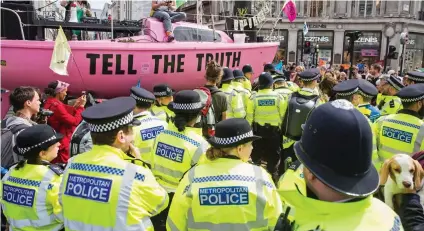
(410, 100)
(160, 93)
(111, 125)
(416, 79)
(27, 149)
(232, 140)
(394, 84)
(187, 106)
(364, 94)
(308, 80)
(141, 99)
(348, 93)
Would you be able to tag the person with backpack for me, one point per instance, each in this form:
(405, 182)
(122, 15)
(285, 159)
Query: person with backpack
(213, 76)
(280, 86)
(206, 120)
(163, 94)
(300, 104)
(26, 103)
(65, 118)
(234, 99)
(30, 189)
(150, 127)
(265, 112)
(238, 87)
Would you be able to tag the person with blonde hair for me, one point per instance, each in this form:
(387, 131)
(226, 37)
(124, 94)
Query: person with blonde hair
(211, 194)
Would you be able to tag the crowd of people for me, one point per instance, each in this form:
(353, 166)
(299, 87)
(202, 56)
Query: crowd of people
(299, 150)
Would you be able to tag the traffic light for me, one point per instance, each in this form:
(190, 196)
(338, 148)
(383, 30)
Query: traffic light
(354, 35)
(307, 47)
(392, 53)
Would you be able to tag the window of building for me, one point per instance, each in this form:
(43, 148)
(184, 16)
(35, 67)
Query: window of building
(340, 8)
(365, 8)
(190, 34)
(316, 8)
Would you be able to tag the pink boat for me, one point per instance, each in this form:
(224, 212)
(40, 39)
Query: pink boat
(109, 68)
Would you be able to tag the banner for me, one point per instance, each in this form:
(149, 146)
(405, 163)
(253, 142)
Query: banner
(256, 20)
(61, 54)
(289, 9)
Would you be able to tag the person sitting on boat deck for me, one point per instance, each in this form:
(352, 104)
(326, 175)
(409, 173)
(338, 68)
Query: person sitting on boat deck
(163, 94)
(164, 10)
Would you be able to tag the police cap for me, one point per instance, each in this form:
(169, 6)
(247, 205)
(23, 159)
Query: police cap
(186, 101)
(395, 82)
(416, 76)
(278, 78)
(352, 86)
(309, 74)
(265, 80)
(247, 68)
(343, 166)
(231, 133)
(162, 90)
(269, 67)
(228, 74)
(111, 115)
(36, 138)
(143, 95)
(238, 74)
(412, 93)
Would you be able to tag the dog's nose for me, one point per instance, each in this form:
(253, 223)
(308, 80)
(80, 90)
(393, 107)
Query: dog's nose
(407, 184)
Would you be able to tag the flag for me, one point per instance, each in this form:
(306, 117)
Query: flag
(289, 9)
(61, 54)
(305, 29)
(138, 83)
(180, 2)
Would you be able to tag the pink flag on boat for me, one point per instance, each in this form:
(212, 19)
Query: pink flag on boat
(289, 9)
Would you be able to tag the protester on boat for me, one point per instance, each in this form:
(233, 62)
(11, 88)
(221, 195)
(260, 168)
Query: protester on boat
(65, 118)
(229, 177)
(31, 188)
(219, 99)
(164, 96)
(82, 10)
(25, 103)
(164, 10)
(179, 147)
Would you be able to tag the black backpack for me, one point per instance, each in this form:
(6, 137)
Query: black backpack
(8, 157)
(81, 140)
(298, 110)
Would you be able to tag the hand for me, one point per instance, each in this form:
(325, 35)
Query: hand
(134, 152)
(164, 3)
(83, 100)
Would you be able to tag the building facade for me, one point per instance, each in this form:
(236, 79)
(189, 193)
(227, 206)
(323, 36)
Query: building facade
(329, 21)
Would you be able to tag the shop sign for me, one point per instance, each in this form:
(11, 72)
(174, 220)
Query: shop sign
(322, 39)
(411, 42)
(274, 38)
(369, 52)
(370, 39)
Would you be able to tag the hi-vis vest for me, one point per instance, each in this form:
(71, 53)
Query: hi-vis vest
(163, 113)
(30, 198)
(176, 152)
(102, 191)
(311, 214)
(145, 134)
(235, 103)
(283, 91)
(392, 104)
(266, 107)
(225, 194)
(245, 94)
(399, 133)
(247, 84)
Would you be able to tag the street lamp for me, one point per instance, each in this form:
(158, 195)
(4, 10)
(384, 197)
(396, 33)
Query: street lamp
(403, 40)
(389, 32)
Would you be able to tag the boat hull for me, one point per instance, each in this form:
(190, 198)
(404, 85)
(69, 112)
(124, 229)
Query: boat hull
(109, 69)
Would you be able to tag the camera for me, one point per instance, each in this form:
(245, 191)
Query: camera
(45, 112)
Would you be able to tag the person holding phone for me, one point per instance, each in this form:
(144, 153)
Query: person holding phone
(164, 10)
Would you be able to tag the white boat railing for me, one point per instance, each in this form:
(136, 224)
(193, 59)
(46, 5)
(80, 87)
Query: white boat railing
(19, 19)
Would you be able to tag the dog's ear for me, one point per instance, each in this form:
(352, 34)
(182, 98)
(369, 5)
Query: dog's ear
(385, 171)
(418, 174)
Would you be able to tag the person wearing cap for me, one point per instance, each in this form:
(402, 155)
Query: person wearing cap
(413, 77)
(248, 74)
(179, 147)
(236, 108)
(390, 103)
(280, 86)
(237, 84)
(265, 112)
(30, 189)
(102, 189)
(151, 126)
(309, 79)
(227, 193)
(163, 94)
(402, 132)
(65, 118)
(327, 190)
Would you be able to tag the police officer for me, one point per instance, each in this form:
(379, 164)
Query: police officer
(102, 189)
(151, 126)
(403, 132)
(359, 92)
(30, 190)
(265, 112)
(163, 94)
(281, 87)
(413, 77)
(248, 74)
(227, 193)
(390, 103)
(238, 87)
(236, 107)
(330, 191)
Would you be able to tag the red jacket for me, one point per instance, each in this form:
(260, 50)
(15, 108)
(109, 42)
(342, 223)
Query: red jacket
(64, 120)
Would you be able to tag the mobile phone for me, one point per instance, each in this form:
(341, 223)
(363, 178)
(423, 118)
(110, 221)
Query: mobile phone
(84, 93)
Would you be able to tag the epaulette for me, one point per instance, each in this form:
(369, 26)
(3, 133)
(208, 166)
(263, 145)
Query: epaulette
(57, 169)
(295, 165)
(392, 103)
(136, 161)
